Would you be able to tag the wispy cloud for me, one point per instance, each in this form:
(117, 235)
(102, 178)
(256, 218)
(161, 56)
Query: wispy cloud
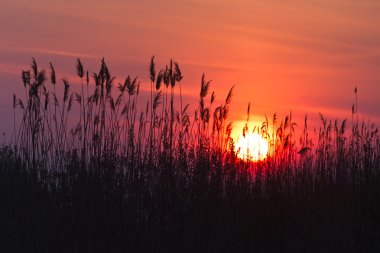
(55, 52)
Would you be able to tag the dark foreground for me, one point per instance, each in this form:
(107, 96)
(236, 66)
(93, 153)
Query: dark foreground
(105, 210)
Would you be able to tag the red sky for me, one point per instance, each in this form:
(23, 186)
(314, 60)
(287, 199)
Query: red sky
(304, 56)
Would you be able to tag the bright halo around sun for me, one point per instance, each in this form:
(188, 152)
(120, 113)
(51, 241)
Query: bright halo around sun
(252, 147)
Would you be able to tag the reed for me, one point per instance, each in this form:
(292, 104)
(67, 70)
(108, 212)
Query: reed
(93, 168)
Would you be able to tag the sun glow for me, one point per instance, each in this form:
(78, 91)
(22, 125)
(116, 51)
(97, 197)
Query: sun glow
(252, 147)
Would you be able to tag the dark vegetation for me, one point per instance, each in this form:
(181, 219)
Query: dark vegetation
(92, 171)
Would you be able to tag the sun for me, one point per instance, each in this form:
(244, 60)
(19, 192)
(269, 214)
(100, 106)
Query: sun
(252, 147)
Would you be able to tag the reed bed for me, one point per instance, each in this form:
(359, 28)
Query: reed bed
(98, 170)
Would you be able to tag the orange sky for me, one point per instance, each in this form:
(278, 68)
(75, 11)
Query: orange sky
(304, 56)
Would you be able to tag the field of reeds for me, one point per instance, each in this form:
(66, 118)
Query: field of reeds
(100, 170)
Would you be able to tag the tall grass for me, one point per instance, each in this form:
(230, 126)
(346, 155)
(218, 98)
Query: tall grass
(100, 170)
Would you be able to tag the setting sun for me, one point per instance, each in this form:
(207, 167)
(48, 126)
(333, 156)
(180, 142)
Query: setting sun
(252, 147)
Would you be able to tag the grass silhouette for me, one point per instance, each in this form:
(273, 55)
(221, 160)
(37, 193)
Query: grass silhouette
(93, 171)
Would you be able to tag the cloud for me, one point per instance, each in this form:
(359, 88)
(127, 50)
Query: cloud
(56, 52)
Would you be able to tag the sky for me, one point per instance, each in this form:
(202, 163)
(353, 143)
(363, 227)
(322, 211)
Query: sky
(303, 56)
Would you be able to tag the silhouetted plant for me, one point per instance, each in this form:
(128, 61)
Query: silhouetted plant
(107, 174)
